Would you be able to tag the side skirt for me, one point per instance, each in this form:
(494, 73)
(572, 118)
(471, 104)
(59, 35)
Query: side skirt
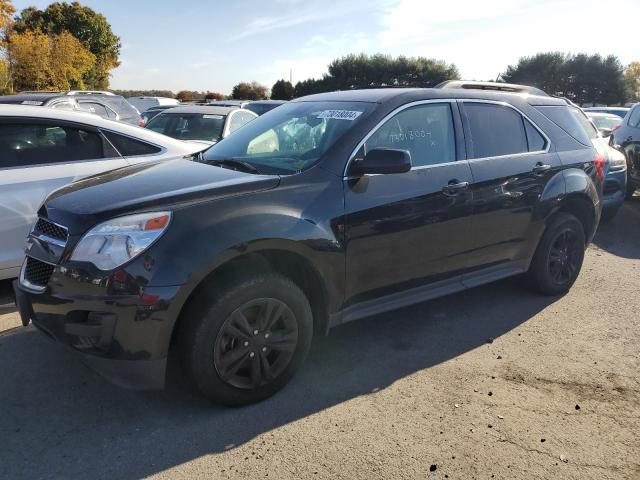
(423, 293)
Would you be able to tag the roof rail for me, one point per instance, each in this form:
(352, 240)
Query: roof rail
(89, 92)
(497, 86)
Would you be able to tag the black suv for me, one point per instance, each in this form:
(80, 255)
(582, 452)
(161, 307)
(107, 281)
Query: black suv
(627, 139)
(330, 208)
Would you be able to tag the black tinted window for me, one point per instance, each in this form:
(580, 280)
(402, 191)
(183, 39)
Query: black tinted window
(94, 108)
(426, 131)
(535, 140)
(24, 145)
(634, 118)
(129, 147)
(572, 121)
(495, 130)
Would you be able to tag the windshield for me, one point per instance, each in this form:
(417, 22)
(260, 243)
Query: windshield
(606, 122)
(188, 126)
(290, 138)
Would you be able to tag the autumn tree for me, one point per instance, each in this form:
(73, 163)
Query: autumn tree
(282, 90)
(632, 80)
(6, 18)
(47, 62)
(185, 96)
(88, 26)
(214, 96)
(249, 91)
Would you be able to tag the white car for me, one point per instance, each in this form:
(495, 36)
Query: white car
(42, 149)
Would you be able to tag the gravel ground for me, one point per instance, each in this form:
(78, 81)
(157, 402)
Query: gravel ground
(495, 382)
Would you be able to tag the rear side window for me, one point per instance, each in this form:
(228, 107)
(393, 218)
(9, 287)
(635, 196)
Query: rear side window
(572, 121)
(129, 147)
(535, 140)
(496, 130)
(426, 131)
(634, 118)
(94, 108)
(27, 145)
(238, 119)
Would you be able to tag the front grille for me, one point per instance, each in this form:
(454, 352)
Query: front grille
(50, 229)
(37, 272)
(611, 187)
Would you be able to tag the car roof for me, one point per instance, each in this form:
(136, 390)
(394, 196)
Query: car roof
(33, 97)
(200, 109)
(383, 95)
(606, 109)
(267, 102)
(28, 111)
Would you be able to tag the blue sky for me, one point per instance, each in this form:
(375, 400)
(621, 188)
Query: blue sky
(212, 45)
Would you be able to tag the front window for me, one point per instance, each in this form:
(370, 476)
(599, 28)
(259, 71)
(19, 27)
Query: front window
(189, 126)
(291, 138)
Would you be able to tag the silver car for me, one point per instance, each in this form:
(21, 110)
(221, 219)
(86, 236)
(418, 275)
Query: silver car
(42, 149)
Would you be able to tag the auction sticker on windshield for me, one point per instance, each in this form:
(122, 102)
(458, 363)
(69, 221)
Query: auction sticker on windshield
(340, 114)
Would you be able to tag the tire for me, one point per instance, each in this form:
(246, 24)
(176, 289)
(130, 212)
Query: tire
(221, 352)
(554, 269)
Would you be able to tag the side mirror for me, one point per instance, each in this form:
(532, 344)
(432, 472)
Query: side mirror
(605, 132)
(382, 160)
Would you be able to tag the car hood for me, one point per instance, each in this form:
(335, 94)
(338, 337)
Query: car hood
(83, 204)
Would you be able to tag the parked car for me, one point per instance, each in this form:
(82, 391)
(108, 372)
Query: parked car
(606, 123)
(619, 111)
(627, 140)
(145, 103)
(228, 103)
(200, 122)
(331, 208)
(104, 104)
(261, 107)
(152, 112)
(42, 149)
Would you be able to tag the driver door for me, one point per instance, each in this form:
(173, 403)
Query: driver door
(407, 230)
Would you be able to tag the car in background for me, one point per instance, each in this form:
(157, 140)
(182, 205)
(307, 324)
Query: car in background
(619, 111)
(42, 149)
(627, 140)
(329, 209)
(263, 106)
(152, 112)
(104, 104)
(606, 123)
(145, 103)
(200, 122)
(228, 103)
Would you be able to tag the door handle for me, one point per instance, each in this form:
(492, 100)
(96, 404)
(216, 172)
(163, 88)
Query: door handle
(541, 168)
(454, 187)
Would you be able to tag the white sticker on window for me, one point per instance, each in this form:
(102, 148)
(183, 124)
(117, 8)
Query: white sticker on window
(217, 117)
(350, 115)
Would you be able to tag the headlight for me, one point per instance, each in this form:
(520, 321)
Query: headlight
(112, 243)
(617, 161)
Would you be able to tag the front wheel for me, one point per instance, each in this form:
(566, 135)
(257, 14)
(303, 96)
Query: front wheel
(558, 258)
(245, 343)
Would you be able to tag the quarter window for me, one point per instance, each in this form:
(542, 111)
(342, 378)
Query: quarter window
(634, 118)
(426, 131)
(25, 145)
(535, 140)
(129, 147)
(238, 119)
(495, 130)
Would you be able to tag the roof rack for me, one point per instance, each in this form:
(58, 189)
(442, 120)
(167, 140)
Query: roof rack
(89, 92)
(497, 86)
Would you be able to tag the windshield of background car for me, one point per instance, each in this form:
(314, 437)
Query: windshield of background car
(188, 126)
(292, 137)
(606, 122)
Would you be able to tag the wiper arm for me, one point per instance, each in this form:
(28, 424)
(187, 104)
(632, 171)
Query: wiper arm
(235, 165)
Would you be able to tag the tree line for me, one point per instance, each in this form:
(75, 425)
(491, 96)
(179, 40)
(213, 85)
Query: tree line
(70, 46)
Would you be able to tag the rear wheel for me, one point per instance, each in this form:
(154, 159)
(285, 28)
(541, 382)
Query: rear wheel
(558, 258)
(246, 342)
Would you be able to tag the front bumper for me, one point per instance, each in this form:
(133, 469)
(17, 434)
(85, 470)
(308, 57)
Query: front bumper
(124, 336)
(615, 187)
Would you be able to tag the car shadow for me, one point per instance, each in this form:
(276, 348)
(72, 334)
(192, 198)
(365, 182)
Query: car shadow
(59, 420)
(621, 235)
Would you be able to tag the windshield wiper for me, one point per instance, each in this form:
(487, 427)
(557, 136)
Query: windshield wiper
(234, 165)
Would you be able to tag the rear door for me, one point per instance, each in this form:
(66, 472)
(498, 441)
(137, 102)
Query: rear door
(511, 166)
(628, 136)
(37, 157)
(410, 229)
